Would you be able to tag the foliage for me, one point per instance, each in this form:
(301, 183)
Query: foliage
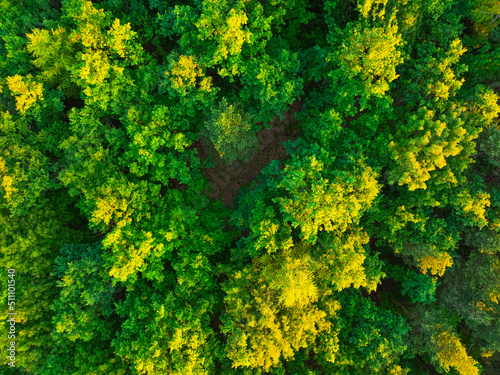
(419, 287)
(271, 311)
(370, 340)
(445, 348)
(366, 243)
(231, 132)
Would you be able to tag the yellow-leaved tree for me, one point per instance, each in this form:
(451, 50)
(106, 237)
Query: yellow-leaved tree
(26, 90)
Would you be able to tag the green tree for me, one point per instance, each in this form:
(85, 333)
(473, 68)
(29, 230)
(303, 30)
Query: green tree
(231, 132)
(371, 339)
(84, 319)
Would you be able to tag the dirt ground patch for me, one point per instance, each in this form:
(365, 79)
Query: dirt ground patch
(227, 180)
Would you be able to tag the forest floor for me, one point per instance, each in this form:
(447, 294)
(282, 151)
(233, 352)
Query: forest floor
(227, 180)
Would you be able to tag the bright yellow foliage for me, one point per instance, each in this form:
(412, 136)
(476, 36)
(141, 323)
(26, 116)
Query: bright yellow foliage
(25, 90)
(184, 72)
(264, 334)
(96, 68)
(372, 56)
(375, 7)
(232, 35)
(295, 282)
(343, 261)
(131, 250)
(322, 204)
(453, 354)
(474, 206)
(108, 207)
(436, 264)
(7, 181)
(446, 83)
(118, 35)
(227, 29)
(425, 144)
(89, 19)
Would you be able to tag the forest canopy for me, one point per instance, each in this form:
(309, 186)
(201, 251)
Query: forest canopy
(250, 187)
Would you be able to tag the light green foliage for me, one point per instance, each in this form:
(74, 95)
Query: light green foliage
(471, 205)
(167, 312)
(184, 73)
(27, 92)
(484, 108)
(24, 170)
(162, 334)
(111, 115)
(425, 144)
(266, 231)
(29, 244)
(100, 69)
(226, 28)
(371, 339)
(156, 143)
(361, 61)
(32, 247)
(166, 320)
(131, 245)
(437, 77)
(33, 319)
(345, 262)
(86, 160)
(256, 214)
(369, 57)
(315, 200)
(272, 81)
(231, 132)
(54, 53)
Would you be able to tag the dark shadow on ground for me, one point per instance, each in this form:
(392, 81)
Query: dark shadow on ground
(227, 180)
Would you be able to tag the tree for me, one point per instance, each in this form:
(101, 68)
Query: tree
(371, 339)
(267, 319)
(54, 53)
(310, 201)
(272, 82)
(231, 132)
(26, 92)
(437, 339)
(84, 314)
(428, 142)
(369, 247)
(486, 14)
(368, 58)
